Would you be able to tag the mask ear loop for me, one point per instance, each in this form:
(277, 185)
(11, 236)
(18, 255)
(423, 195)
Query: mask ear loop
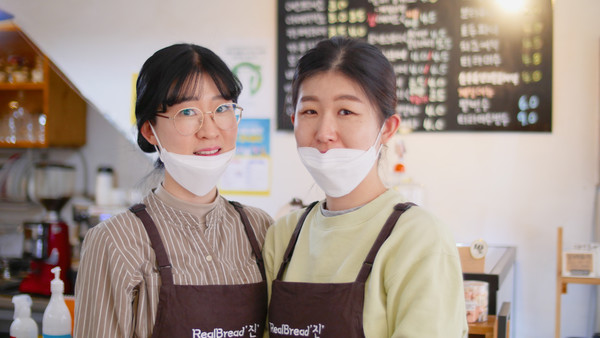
(379, 137)
(157, 139)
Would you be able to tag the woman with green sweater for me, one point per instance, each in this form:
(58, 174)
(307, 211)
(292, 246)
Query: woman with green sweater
(362, 262)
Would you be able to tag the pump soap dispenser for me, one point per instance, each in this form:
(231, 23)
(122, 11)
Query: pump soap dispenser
(57, 318)
(23, 326)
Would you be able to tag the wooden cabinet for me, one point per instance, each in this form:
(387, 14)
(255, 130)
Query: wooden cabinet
(57, 111)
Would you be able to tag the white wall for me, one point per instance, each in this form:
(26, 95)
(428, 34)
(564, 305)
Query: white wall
(508, 188)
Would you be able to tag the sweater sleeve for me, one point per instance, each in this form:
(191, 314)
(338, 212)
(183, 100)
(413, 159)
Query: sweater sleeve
(423, 281)
(429, 301)
(104, 290)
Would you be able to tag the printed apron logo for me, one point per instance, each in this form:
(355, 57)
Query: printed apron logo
(312, 330)
(221, 333)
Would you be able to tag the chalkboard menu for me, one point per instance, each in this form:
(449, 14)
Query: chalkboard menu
(461, 65)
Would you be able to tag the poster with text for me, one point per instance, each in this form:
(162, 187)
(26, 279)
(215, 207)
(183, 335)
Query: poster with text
(250, 170)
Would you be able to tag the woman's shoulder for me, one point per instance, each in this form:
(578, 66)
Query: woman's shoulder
(258, 212)
(278, 236)
(413, 213)
(422, 230)
(259, 219)
(284, 226)
(122, 225)
(114, 223)
(417, 224)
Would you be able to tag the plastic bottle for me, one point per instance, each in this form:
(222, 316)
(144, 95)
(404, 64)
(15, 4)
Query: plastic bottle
(56, 322)
(23, 326)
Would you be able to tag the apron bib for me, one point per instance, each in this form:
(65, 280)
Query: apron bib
(206, 310)
(323, 309)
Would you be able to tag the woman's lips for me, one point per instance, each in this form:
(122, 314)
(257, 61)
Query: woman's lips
(207, 152)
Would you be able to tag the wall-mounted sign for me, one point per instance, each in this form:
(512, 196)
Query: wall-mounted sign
(465, 65)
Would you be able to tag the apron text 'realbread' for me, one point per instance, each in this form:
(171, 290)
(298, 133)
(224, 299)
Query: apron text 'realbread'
(206, 310)
(323, 309)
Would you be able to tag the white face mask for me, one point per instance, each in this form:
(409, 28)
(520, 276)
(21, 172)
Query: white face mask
(197, 174)
(339, 170)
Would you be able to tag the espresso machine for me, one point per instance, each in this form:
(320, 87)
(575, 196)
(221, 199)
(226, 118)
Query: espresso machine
(47, 241)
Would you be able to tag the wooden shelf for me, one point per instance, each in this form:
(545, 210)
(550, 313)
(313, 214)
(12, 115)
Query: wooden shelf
(23, 86)
(56, 97)
(580, 280)
(563, 281)
(486, 329)
(497, 326)
(22, 144)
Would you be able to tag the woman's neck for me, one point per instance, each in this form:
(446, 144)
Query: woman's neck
(369, 189)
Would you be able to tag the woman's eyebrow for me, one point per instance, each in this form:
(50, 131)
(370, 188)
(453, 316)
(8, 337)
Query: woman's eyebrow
(308, 98)
(347, 97)
(343, 97)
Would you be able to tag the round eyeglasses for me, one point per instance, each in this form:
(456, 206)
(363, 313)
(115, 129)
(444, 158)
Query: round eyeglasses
(188, 121)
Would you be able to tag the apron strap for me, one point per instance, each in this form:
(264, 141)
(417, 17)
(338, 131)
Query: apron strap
(290, 249)
(251, 237)
(385, 232)
(164, 266)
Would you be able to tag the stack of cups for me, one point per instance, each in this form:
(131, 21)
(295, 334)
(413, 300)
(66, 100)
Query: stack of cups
(104, 186)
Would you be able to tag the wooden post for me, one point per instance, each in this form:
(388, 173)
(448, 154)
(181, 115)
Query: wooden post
(559, 284)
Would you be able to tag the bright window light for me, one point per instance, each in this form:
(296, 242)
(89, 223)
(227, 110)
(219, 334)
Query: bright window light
(511, 5)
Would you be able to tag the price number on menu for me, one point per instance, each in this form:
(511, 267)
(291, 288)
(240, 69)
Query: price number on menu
(527, 110)
(346, 21)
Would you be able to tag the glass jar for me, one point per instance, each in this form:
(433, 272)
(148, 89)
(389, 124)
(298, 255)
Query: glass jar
(20, 124)
(37, 72)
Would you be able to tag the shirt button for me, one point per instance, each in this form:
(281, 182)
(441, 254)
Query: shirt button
(209, 258)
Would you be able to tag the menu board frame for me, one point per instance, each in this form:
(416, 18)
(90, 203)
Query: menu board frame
(464, 65)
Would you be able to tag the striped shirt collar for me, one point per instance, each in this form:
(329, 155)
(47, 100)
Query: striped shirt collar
(198, 210)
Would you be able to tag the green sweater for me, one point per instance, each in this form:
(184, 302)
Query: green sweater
(415, 288)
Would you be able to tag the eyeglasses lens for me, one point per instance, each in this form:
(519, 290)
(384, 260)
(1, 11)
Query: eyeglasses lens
(190, 120)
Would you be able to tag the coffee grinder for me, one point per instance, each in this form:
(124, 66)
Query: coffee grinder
(47, 242)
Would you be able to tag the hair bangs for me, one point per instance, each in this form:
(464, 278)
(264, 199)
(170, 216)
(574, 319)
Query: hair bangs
(185, 87)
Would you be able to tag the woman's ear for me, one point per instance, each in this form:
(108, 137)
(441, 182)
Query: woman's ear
(391, 125)
(293, 118)
(147, 133)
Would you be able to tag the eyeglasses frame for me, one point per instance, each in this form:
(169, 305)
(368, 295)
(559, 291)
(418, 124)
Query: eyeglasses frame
(172, 118)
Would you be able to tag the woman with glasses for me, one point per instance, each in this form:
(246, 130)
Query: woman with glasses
(185, 262)
(362, 262)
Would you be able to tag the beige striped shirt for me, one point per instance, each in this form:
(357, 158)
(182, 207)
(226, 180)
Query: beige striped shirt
(118, 282)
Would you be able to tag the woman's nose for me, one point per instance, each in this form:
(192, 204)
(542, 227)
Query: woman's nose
(326, 130)
(209, 128)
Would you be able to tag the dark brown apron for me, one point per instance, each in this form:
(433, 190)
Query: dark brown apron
(323, 309)
(206, 310)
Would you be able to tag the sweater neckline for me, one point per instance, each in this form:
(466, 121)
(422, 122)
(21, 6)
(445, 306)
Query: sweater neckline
(355, 217)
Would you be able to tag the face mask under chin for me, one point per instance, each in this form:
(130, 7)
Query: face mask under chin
(340, 170)
(197, 174)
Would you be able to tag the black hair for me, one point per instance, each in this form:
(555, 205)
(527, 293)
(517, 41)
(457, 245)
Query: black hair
(172, 75)
(358, 60)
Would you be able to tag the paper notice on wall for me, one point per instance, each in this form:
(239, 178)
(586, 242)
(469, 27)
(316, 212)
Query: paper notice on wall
(250, 170)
